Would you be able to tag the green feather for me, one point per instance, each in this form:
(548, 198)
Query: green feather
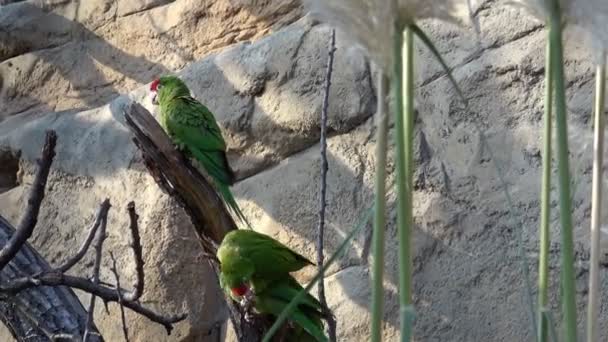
(308, 313)
(194, 129)
(270, 258)
(249, 257)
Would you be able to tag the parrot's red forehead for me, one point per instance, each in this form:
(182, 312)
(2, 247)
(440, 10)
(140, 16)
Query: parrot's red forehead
(154, 85)
(240, 290)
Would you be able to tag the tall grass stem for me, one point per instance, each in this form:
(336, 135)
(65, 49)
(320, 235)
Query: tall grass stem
(596, 202)
(380, 209)
(545, 210)
(404, 113)
(367, 215)
(568, 299)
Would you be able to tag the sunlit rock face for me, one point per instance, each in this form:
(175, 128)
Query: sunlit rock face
(261, 70)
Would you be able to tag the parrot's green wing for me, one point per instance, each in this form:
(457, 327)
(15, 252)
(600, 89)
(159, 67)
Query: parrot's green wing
(307, 315)
(193, 126)
(270, 257)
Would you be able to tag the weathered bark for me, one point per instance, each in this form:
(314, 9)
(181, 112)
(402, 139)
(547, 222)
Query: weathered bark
(210, 218)
(40, 313)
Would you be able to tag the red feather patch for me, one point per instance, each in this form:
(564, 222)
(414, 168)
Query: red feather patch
(154, 85)
(240, 291)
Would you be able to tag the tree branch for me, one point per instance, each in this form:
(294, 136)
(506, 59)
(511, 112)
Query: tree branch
(331, 321)
(210, 218)
(30, 218)
(39, 279)
(101, 237)
(125, 330)
(102, 215)
(137, 252)
(180, 179)
(53, 278)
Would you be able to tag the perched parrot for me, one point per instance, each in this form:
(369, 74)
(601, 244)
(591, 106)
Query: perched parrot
(193, 128)
(255, 267)
(250, 253)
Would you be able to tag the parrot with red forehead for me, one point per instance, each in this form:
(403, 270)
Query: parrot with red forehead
(192, 127)
(254, 269)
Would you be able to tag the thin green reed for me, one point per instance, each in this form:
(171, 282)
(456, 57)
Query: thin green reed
(346, 244)
(403, 88)
(380, 209)
(568, 299)
(545, 211)
(596, 202)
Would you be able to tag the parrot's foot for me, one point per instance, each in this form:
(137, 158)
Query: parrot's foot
(248, 316)
(247, 304)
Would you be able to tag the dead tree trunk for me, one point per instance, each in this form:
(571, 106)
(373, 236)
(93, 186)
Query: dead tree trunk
(36, 302)
(38, 312)
(210, 218)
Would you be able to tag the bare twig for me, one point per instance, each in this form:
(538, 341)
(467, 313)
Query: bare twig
(101, 237)
(125, 330)
(14, 282)
(331, 321)
(30, 218)
(102, 215)
(108, 294)
(137, 252)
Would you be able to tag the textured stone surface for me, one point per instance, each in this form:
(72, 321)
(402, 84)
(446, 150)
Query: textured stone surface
(95, 160)
(468, 279)
(57, 55)
(272, 99)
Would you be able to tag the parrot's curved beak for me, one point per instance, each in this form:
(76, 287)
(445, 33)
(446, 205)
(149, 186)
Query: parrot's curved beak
(154, 98)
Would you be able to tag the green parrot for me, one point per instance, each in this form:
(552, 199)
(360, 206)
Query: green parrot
(193, 128)
(255, 268)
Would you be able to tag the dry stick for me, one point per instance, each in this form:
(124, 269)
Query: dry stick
(30, 218)
(101, 237)
(125, 330)
(102, 215)
(137, 252)
(19, 254)
(57, 277)
(331, 320)
(103, 292)
(107, 294)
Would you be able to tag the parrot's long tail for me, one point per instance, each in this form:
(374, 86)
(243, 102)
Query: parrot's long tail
(216, 165)
(226, 194)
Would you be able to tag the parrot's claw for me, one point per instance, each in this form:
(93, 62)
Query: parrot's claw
(246, 303)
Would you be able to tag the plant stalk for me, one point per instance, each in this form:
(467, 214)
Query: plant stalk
(565, 202)
(347, 242)
(380, 209)
(596, 202)
(545, 211)
(404, 113)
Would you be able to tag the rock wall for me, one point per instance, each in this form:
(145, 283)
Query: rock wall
(61, 55)
(267, 94)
